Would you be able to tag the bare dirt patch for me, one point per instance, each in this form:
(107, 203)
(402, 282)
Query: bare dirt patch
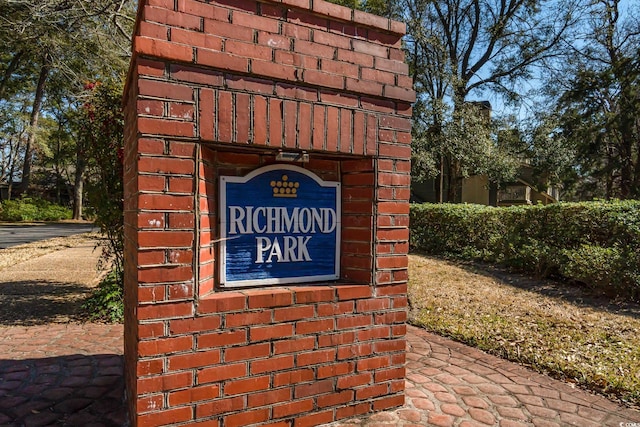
(46, 282)
(552, 327)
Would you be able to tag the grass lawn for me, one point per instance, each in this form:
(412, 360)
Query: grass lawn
(554, 328)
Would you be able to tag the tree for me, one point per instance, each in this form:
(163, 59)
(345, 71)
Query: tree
(100, 128)
(468, 143)
(550, 153)
(459, 47)
(598, 103)
(13, 133)
(68, 42)
(386, 8)
(57, 154)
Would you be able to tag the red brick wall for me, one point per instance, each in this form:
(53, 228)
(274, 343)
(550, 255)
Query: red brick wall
(130, 184)
(216, 89)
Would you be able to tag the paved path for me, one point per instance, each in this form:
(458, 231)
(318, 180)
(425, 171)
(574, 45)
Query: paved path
(13, 235)
(451, 384)
(54, 371)
(61, 374)
(72, 375)
(50, 288)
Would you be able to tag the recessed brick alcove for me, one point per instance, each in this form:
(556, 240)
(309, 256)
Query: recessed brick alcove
(218, 89)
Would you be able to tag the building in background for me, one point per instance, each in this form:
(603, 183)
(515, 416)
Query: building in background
(477, 189)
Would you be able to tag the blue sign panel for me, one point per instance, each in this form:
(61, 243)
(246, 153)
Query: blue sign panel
(280, 224)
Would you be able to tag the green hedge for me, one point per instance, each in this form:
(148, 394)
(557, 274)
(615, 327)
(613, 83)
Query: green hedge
(32, 209)
(595, 243)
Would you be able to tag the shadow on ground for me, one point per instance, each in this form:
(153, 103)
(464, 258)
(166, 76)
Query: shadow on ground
(74, 390)
(569, 292)
(28, 303)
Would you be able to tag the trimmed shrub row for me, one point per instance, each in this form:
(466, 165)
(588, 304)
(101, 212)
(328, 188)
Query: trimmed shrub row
(32, 209)
(594, 243)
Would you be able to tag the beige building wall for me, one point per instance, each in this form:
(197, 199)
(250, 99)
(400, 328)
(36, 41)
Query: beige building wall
(475, 189)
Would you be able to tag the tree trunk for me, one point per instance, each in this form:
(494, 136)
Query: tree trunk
(12, 170)
(626, 124)
(78, 187)
(13, 65)
(11, 164)
(454, 181)
(636, 173)
(56, 168)
(626, 171)
(455, 168)
(441, 186)
(33, 125)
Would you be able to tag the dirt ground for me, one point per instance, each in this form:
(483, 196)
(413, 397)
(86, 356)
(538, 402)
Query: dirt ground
(35, 290)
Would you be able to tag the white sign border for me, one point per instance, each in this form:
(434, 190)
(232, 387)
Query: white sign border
(223, 229)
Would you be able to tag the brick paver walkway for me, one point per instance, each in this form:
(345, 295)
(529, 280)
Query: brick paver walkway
(54, 371)
(72, 375)
(451, 384)
(61, 375)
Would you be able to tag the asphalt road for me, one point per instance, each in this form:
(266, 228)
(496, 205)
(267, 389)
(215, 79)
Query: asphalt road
(13, 235)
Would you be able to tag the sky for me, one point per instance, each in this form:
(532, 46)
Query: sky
(525, 110)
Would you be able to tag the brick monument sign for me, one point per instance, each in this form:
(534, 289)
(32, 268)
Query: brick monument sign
(267, 165)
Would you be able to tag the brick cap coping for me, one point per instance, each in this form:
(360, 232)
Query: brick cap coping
(343, 13)
(318, 7)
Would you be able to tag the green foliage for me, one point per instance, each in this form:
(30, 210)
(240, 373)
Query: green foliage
(594, 265)
(100, 129)
(101, 136)
(387, 8)
(594, 243)
(551, 154)
(32, 209)
(106, 303)
(461, 144)
(595, 103)
(447, 229)
(463, 50)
